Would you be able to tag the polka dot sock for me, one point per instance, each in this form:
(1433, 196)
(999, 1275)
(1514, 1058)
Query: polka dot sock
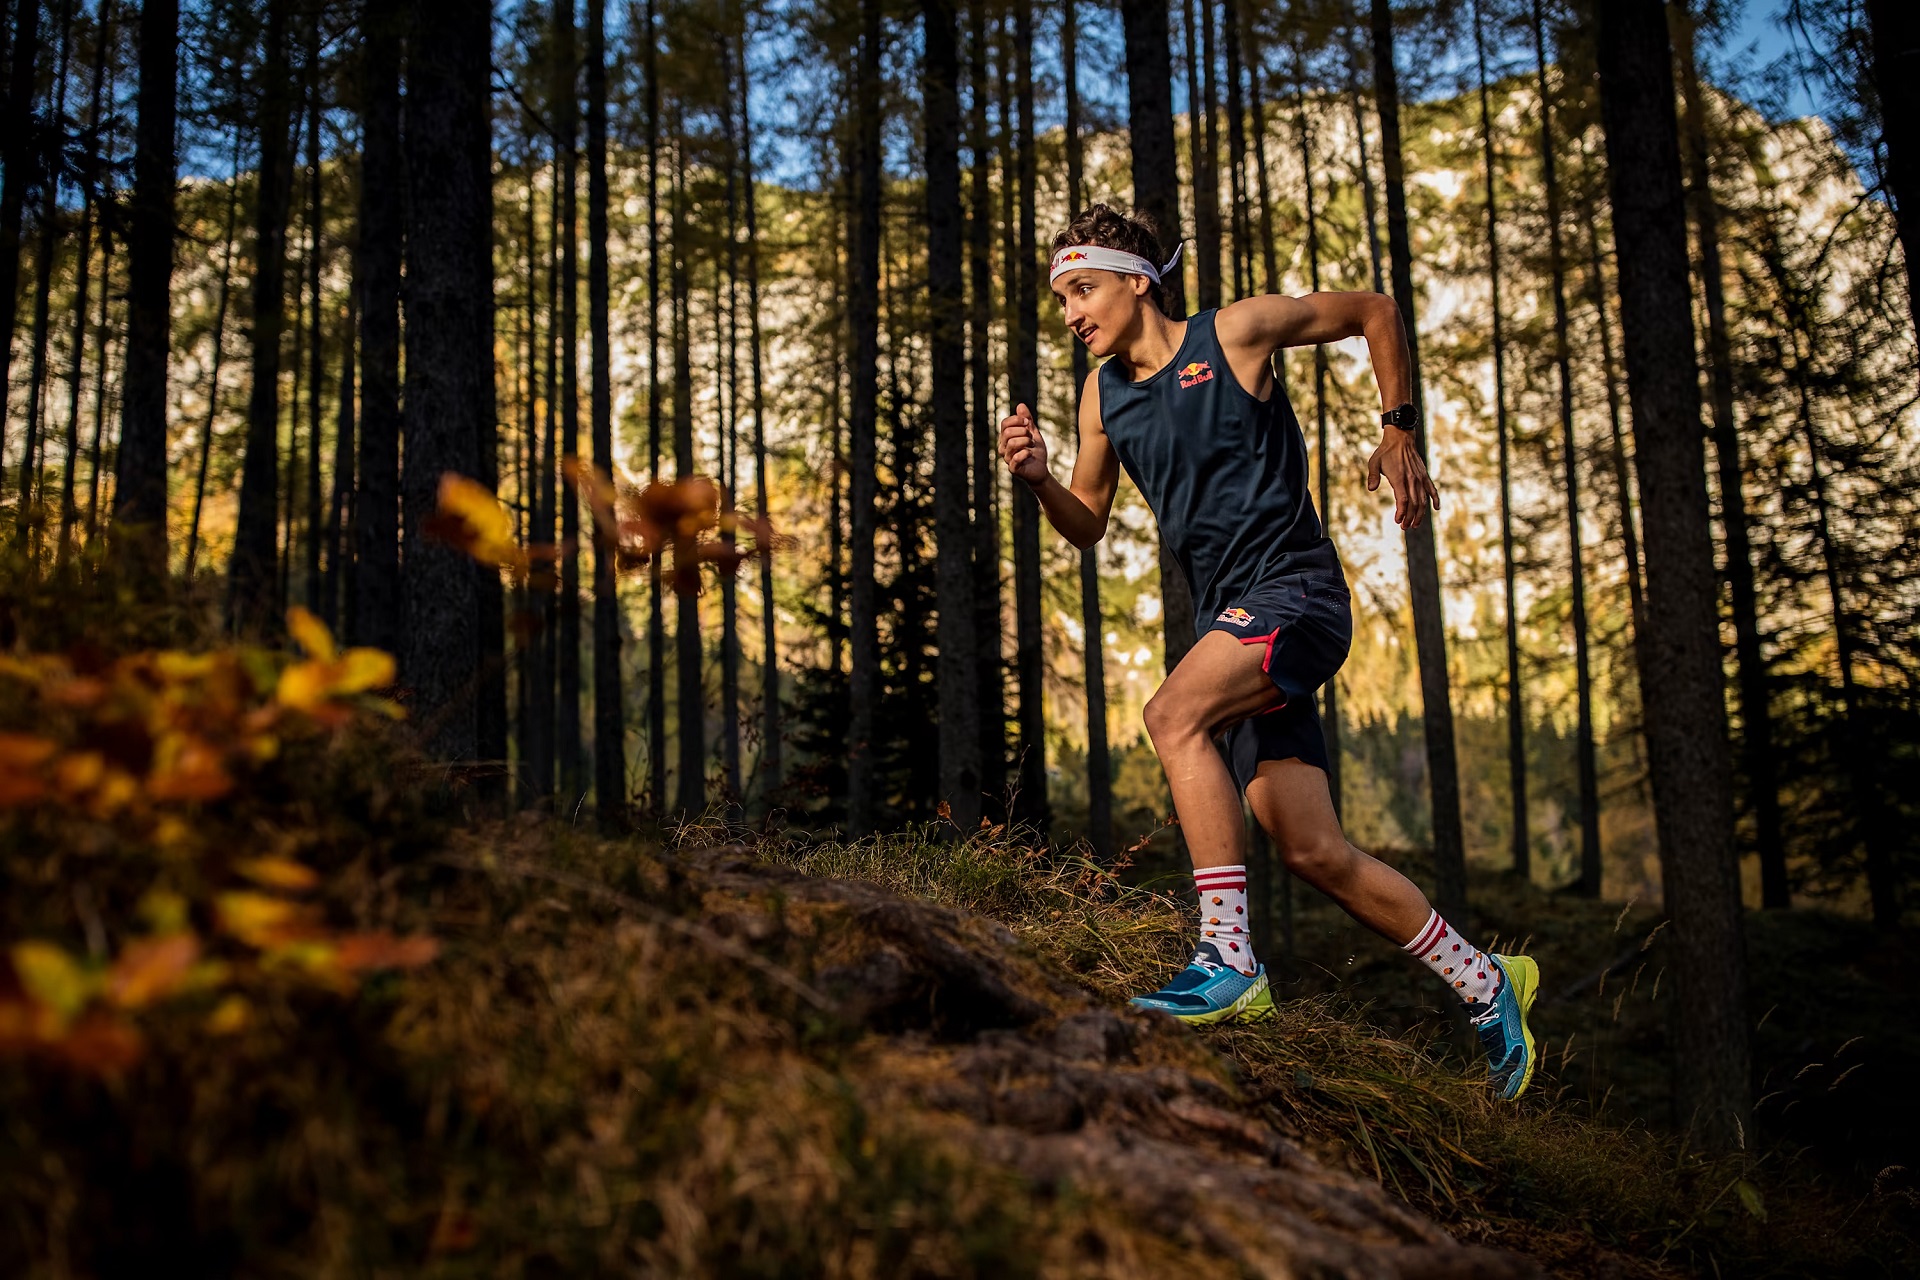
(1223, 915)
(1461, 965)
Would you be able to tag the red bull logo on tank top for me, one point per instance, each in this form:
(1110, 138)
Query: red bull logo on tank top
(1195, 374)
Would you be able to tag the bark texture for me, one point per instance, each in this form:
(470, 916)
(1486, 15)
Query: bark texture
(1680, 647)
(449, 378)
(1423, 569)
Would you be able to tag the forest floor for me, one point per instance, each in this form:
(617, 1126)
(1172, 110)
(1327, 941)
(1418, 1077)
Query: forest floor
(732, 1055)
(278, 1003)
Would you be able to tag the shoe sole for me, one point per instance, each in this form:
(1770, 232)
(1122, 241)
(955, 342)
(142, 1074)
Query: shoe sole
(1254, 1005)
(1525, 976)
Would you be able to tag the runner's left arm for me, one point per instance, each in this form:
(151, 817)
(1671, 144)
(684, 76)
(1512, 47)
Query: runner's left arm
(1254, 328)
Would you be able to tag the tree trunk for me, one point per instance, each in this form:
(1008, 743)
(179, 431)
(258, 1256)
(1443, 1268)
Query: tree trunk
(772, 769)
(213, 379)
(727, 406)
(1092, 622)
(1024, 380)
(692, 799)
(82, 283)
(1586, 764)
(863, 313)
(140, 478)
(536, 695)
(32, 519)
(1756, 716)
(251, 584)
(376, 610)
(609, 705)
(569, 748)
(1895, 33)
(1330, 693)
(1622, 481)
(16, 153)
(449, 377)
(103, 337)
(959, 664)
(990, 675)
(656, 612)
(1522, 843)
(1368, 200)
(1680, 648)
(1205, 155)
(1256, 72)
(1423, 571)
(1156, 194)
(337, 596)
(547, 510)
(316, 353)
(1237, 155)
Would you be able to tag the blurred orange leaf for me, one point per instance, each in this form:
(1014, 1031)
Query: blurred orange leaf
(150, 969)
(359, 952)
(25, 750)
(278, 873)
(101, 1044)
(187, 767)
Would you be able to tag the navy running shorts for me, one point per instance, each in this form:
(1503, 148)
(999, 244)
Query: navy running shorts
(1304, 623)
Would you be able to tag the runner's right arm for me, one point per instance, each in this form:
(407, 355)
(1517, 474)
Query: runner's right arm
(1080, 510)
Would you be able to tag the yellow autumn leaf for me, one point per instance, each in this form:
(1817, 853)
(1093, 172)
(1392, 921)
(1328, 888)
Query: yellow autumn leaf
(163, 910)
(255, 918)
(52, 977)
(229, 1016)
(78, 772)
(303, 686)
(363, 669)
(486, 531)
(278, 873)
(311, 634)
(177, 667)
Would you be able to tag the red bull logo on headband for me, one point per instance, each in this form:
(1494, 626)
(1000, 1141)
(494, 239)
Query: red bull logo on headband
(1195, 374)
(1071, 255)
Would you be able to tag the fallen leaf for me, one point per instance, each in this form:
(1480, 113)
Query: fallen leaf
(359, 952)
(52, 977)
(278, 873)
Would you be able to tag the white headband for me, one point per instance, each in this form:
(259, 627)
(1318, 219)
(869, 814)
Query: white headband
(1099, 258)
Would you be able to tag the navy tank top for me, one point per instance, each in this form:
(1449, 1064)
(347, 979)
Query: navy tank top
(1225, 474)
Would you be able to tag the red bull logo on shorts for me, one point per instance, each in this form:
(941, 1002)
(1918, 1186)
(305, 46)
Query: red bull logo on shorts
(1237, 616)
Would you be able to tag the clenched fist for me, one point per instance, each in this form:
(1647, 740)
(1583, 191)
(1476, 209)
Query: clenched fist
(1022, 448)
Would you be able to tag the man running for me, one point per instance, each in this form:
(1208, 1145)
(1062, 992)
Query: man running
(1191, 410)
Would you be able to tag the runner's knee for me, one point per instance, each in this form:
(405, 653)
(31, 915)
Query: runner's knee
(1170, 719)
(1319, 860)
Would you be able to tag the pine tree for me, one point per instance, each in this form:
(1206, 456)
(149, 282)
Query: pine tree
(1024, 388)
(990, 676)
(1895, 32)
(1522, 844)
(1756, 717)
(140, 479)
(569, 750)
(863, 311)
(255, 544)
(1423, 571)
(1205, 155)
(213, 376)
(1680, 650)
(376, 609)
(449, 369)
(1585, 762)
(83, 264)
(1092, 622)
(16, 154)
(609, 708)
(656, 609)
(959, 663)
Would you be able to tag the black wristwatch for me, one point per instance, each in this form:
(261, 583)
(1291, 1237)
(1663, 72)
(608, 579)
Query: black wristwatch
(1405, 417)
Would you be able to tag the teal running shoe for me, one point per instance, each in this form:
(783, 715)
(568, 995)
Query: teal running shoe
(1503, 1027)
(1209, 991)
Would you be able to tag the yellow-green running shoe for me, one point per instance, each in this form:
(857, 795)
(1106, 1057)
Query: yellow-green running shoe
(1503, 1028)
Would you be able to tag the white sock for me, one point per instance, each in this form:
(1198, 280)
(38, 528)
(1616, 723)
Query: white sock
(1462, 966)
(1223, 915)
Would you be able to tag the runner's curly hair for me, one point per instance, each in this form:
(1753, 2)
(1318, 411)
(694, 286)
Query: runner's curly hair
(1103, 225)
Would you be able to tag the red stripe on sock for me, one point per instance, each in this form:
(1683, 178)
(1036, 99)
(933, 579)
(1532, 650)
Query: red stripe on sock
(1429, 935)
